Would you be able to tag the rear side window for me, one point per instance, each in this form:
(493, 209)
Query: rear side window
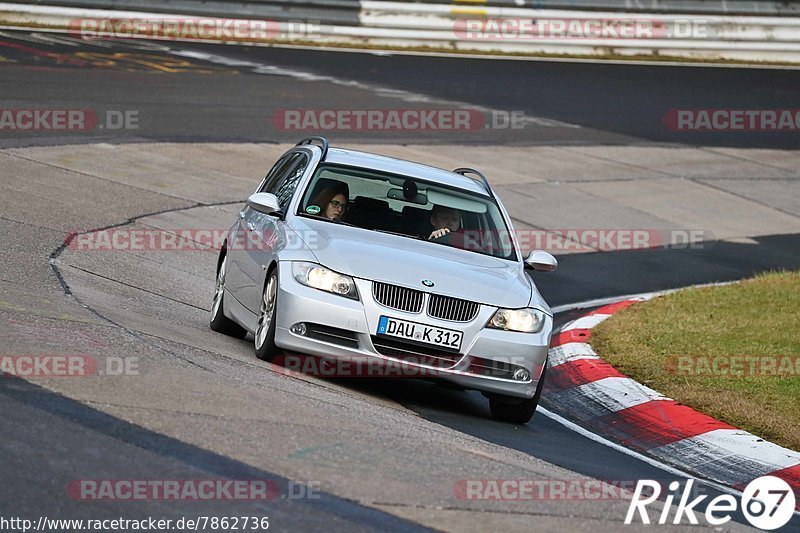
(282, 180)
(275, 173)
(287, 184)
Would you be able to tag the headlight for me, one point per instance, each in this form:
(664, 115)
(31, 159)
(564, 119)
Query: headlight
(522, 320)
(321, 278)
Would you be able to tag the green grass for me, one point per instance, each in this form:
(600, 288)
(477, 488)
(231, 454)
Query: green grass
(757, 319)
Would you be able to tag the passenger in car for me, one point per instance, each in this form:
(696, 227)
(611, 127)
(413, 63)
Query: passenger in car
(332, 202)
(444, 220)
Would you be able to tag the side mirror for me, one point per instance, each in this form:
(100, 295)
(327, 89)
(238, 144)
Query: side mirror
(541, 261)
(264, 202)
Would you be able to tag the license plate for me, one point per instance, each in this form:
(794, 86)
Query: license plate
(420, 333)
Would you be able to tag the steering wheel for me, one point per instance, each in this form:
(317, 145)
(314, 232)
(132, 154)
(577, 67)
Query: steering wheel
(461, 242)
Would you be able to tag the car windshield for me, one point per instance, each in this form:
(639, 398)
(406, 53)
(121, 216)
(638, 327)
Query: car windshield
(409, 207)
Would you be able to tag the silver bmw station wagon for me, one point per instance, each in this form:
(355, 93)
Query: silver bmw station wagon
(350, 255)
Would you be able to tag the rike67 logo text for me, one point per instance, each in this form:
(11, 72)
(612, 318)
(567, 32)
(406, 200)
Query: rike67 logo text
(768, 503)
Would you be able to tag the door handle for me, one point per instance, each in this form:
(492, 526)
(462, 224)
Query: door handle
(251, 226)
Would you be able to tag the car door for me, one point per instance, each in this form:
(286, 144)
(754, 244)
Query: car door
(236, 281)
(266, 234)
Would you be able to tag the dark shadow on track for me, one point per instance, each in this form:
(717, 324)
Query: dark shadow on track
(102, 447)
(583, 277)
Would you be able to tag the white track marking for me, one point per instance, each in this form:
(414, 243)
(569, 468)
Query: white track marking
(387, 92)
(635, 296)
(302, 75)
(627, 451)
(586, 322)
(616, 393)
(570, 351)
(722, 444)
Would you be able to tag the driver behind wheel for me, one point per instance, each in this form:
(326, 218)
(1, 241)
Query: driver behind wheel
(444, 220)
(332, 201)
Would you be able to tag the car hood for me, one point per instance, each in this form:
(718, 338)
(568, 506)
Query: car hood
(399, 260)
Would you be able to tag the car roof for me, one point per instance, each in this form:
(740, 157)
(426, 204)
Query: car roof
(355, 158)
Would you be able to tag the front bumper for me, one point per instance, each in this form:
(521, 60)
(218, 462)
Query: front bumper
(480, 347)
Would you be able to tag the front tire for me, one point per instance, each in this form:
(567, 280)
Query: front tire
(265, 331)
(514, 410)
(219, 322)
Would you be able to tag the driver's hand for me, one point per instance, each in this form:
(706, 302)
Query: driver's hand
(439, 233)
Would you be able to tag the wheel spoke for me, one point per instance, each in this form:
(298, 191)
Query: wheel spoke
(219, 289)
(267, 310)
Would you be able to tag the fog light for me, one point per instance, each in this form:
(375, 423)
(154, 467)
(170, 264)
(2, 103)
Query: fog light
(522, 375)
(298, 329)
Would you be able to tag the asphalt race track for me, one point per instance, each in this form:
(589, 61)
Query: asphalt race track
(206, 408)
(217, 97)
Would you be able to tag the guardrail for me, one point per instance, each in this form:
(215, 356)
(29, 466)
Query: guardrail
(236, 8)
(573, 32)
(486, 28)
(344, 12)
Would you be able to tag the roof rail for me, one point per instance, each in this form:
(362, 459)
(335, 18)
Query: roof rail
(466, 170)
(322, 140)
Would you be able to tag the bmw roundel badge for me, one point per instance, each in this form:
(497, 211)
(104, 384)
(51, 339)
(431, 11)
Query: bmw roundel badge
(427, 283)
